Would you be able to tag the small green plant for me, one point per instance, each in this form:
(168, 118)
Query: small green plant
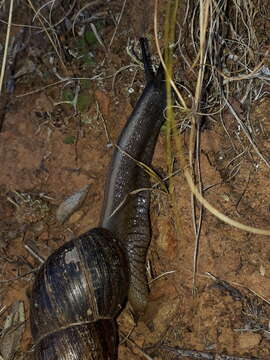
(83, 102)
(84, 45)
(67, 95)
(90, 38)
(69, 140)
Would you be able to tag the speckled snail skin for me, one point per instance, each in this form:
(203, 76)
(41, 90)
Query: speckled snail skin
(82, 287)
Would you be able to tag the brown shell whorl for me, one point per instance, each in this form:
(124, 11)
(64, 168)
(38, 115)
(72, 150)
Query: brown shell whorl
(85, 280)
(92, 341)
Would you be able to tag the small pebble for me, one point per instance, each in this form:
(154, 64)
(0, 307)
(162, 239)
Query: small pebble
(71, 204)
(76, 217)
(249, 340)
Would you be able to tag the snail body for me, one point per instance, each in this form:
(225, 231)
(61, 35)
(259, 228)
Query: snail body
(82, 287)
(131, 222)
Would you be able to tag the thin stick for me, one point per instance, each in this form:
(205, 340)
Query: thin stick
(195, 138)
(34, 253)
(138, 348)
(3, 68)
(109, 140)
(201, 354)
(118, 22)
(181, 99)
(18, 277)
(55, 84)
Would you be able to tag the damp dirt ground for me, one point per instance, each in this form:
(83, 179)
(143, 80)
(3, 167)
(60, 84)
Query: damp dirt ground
(50, 149)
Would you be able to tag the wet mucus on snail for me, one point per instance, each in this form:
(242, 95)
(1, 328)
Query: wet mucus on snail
(82, 287)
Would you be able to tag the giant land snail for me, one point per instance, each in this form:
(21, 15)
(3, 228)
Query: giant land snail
(83, 286)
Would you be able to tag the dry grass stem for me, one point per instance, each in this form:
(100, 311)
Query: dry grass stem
(3, 67)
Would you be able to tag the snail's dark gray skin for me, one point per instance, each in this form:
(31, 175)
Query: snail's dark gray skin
(130, 223)
(82, 287)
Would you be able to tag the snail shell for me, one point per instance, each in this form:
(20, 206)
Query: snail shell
(84, 281)
(91, 341)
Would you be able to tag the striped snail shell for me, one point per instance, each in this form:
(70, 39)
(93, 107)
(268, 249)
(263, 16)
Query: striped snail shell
(78, 291)
(92, 341)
